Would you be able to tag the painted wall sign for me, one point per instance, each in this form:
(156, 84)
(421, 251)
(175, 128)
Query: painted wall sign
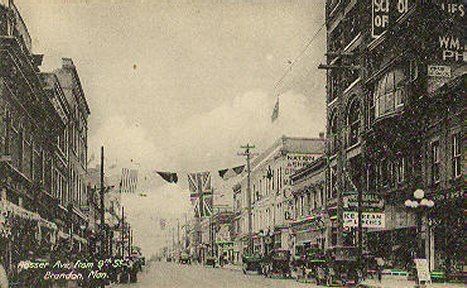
(386, 12)
(369, 219)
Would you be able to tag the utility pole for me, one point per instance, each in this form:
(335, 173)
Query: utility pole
(123, 231)
(129, 239)
(178, 236)
(248, 155)
(103, 236)
(340, 66)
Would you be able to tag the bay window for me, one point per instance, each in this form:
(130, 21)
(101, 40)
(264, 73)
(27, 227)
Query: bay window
(389, 93)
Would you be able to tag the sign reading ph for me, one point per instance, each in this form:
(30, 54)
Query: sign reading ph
(386, 12)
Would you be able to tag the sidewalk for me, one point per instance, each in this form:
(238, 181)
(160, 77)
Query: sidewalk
(402, 282)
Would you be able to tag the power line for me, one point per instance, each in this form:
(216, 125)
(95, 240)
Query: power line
(298, 56)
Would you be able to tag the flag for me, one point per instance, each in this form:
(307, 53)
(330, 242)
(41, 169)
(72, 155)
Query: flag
(228, 173)
(200, 186)
(239, 169)
(222, 172)
(163, 223)
(133, 180)
(168, 176)
(124, 180)
(275, 112)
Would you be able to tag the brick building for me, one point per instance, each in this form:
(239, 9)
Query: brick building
(394, 124)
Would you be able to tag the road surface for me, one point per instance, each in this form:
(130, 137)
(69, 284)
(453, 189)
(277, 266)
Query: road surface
(173, 275)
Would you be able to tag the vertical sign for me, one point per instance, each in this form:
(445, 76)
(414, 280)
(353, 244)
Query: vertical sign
(386, 12)
(423, 272)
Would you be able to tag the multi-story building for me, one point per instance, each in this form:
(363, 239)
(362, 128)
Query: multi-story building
(34, 121)
(394, 122)
(77, 133)
(271, 191)
(310, 225)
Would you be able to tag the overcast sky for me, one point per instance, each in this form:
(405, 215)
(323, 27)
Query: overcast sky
(180, 85)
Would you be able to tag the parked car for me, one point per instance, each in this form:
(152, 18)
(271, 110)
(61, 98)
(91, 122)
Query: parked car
(252, 263)
(184, 258)
(277, 263)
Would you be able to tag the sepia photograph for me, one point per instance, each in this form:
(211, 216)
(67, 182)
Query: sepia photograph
(232, 143)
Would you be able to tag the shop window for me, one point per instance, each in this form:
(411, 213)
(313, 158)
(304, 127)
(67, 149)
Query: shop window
(389, 93)
(400, 170)
(456, 156)
(435, 162)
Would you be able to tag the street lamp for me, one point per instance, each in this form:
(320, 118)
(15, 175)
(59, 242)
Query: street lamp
(420, 204)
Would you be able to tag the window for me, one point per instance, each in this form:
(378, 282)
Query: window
(333, 182)
(333, 140)
(456, 156)
(389, 93)
(435, 176)
(353, 122)
(400, 170)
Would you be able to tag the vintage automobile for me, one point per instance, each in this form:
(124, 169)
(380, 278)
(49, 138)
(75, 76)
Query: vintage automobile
(184, 258)
(252, 263)
(211, 260)
(277, 263)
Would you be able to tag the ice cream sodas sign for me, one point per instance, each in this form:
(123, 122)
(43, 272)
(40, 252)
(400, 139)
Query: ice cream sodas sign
(369, 219)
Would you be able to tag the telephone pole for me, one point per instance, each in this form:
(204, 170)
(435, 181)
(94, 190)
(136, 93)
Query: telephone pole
(248, 156)
(123, 231)
(102, 190)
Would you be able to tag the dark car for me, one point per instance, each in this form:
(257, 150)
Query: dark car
(277, 263)
(184, 258)
(252, 263)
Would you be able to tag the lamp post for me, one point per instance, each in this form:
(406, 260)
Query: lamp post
(420, 204)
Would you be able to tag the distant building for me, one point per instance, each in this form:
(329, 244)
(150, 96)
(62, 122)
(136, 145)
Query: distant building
(310, 227)
(271, 196)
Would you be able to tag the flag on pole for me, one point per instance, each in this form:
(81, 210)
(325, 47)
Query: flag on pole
(168, 176)
(275, 111)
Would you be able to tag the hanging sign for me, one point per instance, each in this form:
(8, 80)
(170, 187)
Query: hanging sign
(369, 219)
(439, 71)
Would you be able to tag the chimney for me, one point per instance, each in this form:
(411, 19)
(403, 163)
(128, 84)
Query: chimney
(321, 135)
(67, 63)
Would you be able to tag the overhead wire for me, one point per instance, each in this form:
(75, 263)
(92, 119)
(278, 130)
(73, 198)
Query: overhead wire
(295, 60)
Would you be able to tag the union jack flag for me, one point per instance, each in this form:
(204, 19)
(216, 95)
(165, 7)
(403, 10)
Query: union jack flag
(200, 186)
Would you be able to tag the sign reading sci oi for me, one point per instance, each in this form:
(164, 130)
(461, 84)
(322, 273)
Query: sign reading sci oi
(369, 219)
(386, 12)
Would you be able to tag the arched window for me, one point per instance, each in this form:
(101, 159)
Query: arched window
(333, 128)
(389, 92)
(353, 122)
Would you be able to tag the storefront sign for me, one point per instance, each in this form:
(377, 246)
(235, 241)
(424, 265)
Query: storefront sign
(386, 12)
(373, 201)
(439, 71)
(369, 219)
(296, 161)
(423, 272)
